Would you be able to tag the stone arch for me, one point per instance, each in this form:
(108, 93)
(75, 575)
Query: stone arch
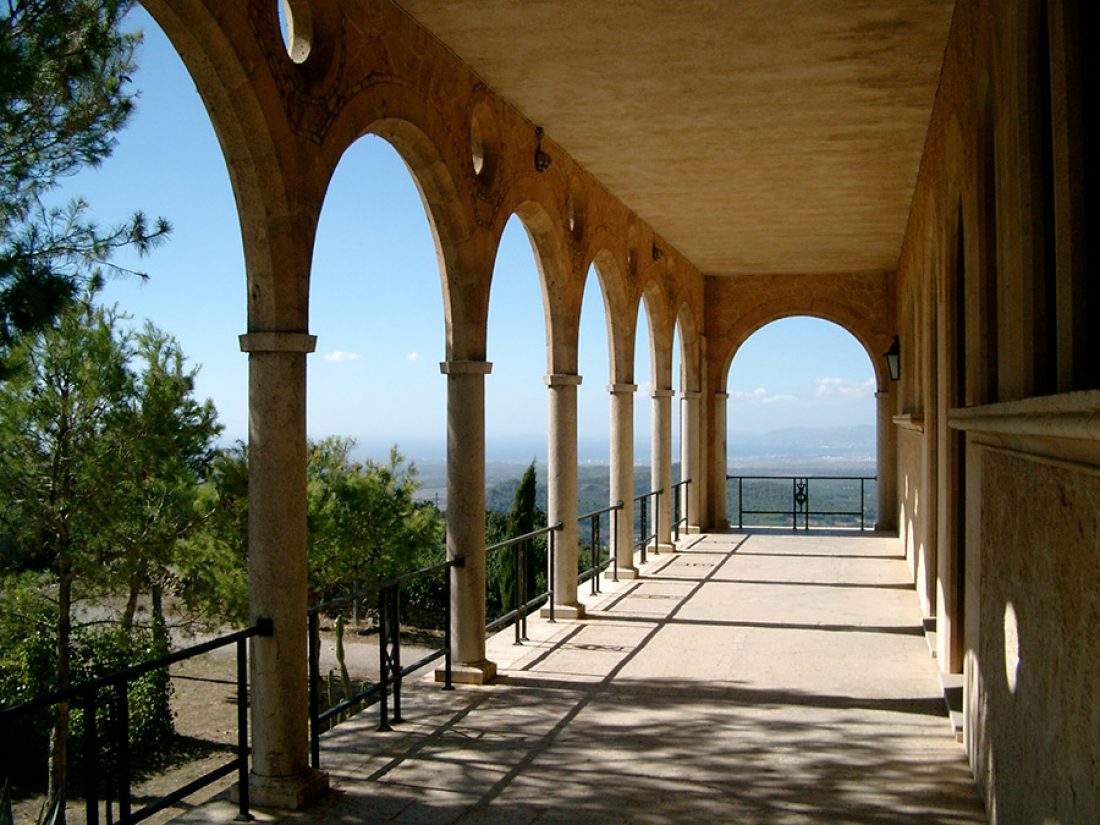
(873, 342)
(561, 300)
(617, 310)
(864, 304)
(661, 328)
(691, 379)
(277, 219)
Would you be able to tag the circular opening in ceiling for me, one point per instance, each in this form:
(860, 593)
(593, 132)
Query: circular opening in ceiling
(574, 210)
(296, 27)
(484, 142)
(477, 145)
(1012, 647)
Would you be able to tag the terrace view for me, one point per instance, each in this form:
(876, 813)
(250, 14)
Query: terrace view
(614, 412)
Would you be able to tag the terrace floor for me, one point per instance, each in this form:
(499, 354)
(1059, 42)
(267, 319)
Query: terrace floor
(760, 677)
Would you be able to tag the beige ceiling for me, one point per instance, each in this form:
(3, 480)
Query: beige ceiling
(756, 136)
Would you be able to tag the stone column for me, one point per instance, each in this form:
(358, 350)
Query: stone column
(887, 462)
(720, 487)
(277, 571)
(661, 469)
(561, 491)
(689, 457)
(622, 476)
(466, 518)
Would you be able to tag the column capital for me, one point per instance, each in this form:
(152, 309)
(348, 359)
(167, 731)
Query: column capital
(278, 342)
(465, 367)
(691, 395)
(561, 379)
(663, 393)
(621, 389)
(721, 396)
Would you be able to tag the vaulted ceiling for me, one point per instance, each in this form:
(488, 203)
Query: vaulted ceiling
(756, 136)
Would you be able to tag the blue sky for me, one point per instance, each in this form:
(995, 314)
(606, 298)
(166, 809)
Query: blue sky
(375, 298)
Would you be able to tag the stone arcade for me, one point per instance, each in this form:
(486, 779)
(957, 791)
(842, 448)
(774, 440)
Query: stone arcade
(916, 168)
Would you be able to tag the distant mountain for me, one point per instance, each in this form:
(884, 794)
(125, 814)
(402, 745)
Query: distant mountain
(804, 441)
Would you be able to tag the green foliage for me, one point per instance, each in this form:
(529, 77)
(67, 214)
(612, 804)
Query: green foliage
(63, 96)
(27, 670)
(365, 525)
(523, 517)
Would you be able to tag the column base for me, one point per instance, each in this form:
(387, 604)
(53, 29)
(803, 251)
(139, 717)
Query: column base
(621, 572)
(470, 673)
(666, 548)
(291, 793)
(564, 611)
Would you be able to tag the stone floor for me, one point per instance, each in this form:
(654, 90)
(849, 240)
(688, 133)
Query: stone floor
(750, 678)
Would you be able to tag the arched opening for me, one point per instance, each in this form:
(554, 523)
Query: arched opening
(377, 309)
(801, 406)
(515, 415)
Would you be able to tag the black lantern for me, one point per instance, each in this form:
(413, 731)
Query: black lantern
(542, 160)
(893, 360)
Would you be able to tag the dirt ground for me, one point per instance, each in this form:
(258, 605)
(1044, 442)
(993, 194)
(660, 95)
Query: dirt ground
(204, 704)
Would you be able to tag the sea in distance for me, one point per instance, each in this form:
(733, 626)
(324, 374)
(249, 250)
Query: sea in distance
(801, 451)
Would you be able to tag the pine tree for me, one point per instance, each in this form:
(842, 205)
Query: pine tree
(63, 97)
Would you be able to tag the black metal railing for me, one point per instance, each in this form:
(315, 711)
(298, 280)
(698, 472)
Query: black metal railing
(592, 573)
(391, 672)
(801, 507)
(680, 499)
(643, 521)
(87, 697)
(523, 604)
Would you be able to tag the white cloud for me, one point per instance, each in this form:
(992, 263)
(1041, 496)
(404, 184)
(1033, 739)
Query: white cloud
(339, 356)
(844, 388)
(760, 396)
(412, 357)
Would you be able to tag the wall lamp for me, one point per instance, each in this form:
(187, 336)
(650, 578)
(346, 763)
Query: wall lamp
(542, 160)
(657, 253)
(893, 360)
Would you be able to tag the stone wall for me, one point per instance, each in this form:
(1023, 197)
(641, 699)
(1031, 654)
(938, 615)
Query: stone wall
(1039, 757)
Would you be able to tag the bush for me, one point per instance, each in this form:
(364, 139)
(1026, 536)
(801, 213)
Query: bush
(27, 661)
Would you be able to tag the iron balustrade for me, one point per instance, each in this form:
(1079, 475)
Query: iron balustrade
(679, 495)
(390, 670)
(86, 696)
(592, 574)
(801, 507)
(644, 538)
(522, 606)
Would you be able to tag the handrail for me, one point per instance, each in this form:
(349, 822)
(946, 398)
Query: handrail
(800, 499)
(391, 671)
(522, 605)
(592, 574)
(88, 693)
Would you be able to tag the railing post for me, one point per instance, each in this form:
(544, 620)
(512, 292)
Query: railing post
(595, 555)
(91, 753)
(122, 743)
(243, 814)
(740, 504)
(395, 643)
(550, 572)
(614, 545)
(862, 525)
(314, 691)
(383, 665)
(447, 684)
(657, 521)
(643, 522)
(519, 573)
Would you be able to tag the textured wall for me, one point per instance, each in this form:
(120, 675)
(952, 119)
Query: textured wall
(1040, 756)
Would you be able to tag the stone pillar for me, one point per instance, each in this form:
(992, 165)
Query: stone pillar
(886, 460)
(466, 518)
(622, 476)
(661, 469)
(277, 568)
(689, 457)
(720, 487)
(561, 491)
